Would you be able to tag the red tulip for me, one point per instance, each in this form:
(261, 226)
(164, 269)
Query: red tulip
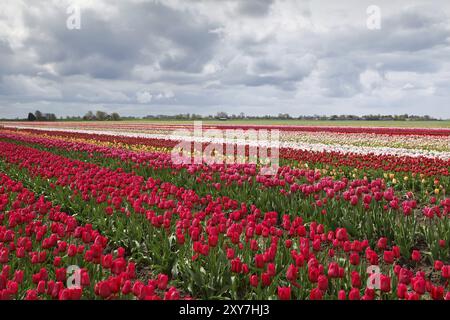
(388, 257)
(446, 272)
(291, 273)
(416, 256)
(266, 279)
(356, 279)
(322, 283)
(419, 285)
(104, 289)
(437, 293)
(402, 289)
(259, 261)
(354, 294)
(236, 265)
(162, 281)
(315, 294)
(385, 283)
(354, 259)
(438, 265)
(284, 293)
(254, 280)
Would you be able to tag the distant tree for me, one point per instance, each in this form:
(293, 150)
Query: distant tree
(31, 117)
(73, 118)
(39, 115)
(196, 116)
(115, 116)
(101, 115)
(89, 116)
(50, 117)
(222, 115)
(284, 116)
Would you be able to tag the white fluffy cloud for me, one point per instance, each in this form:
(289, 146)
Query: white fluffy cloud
(257, 56)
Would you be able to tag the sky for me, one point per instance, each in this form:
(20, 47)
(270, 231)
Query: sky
(259, 57)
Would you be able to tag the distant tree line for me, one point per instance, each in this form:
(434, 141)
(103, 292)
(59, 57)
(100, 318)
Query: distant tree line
(101, 116)
(89, 116)
(104, 116)
(39, 116)
(286, 116)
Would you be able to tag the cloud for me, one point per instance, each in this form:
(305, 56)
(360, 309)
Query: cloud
(255, 8)
(144, 97)
(21, 86)
(370, 79)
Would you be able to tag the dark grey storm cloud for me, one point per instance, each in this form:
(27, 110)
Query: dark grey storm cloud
(143, 33)
(257, 56)
(254, 8)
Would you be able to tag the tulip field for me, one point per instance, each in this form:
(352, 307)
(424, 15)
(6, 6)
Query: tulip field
(352, 213)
